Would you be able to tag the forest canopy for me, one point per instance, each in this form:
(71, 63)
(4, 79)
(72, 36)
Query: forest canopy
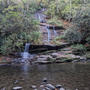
(18, 25)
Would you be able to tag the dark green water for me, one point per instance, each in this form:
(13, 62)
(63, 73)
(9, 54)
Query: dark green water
(71, 76)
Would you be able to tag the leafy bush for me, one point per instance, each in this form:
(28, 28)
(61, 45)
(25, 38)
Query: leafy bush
(80, 31)
(63, 8)
(72, 35)
(51, 9)
(78, 49)
(55, 21)
(35, 37)
(82, 21)
(16, 27)
(88, 40)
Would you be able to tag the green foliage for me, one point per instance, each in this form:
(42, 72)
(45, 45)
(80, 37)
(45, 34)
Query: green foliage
(16, 27)
(72, 35)
(33, 6)
(35, 37)
(51, 9)
(65, 9)
(78, 49)
(82, 21)
(55, 21)
(80, 31)
(61, 37)
(88, 39)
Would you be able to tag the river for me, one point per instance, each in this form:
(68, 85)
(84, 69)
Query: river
(71, 76)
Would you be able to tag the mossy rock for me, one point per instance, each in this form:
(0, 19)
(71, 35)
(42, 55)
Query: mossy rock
(88, 55)
(64, 59)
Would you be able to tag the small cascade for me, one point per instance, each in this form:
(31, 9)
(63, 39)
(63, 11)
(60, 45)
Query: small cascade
(26, 51)
(49, 33)
(39, 17)
(55, 33)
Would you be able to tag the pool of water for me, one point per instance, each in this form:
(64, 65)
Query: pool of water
(71, 76)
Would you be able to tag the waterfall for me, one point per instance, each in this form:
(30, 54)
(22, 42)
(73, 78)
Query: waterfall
(26, 51)
(55, 33)
(39, 17)
(27, 45)
(49, 33)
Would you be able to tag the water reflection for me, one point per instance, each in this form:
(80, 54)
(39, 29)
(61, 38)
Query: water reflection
(71, 76)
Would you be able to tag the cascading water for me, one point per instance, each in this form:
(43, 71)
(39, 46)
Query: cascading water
(39, 17)
(49, 33)
(55, 33)
(26, 51)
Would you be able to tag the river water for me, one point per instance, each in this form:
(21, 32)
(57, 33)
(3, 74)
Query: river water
(71, 76)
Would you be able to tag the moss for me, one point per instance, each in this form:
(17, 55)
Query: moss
(88, 55)
(78, 49)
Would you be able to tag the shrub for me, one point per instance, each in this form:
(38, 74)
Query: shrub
(35, 37)
(16, 27)
(72, 35)
(80, 31)
(55, 21)
(79, 49)
(51, 9)
(88, 39)
(82, 21)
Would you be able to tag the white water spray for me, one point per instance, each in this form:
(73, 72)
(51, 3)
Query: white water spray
(26, 51)
(39, 17)
(55, 33)
(49, 33)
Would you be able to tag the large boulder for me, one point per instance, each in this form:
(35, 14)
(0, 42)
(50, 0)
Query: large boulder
(50, 86)
(44, 59)
(54, 55)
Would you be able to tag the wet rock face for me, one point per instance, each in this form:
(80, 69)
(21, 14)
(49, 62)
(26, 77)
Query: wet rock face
(44, 59)
(56, 27)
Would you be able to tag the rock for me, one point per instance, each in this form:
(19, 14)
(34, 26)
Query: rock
(58, 86)
(46, 88)
(54, 55)
(75, 61)
(44, 79)
(34, 87)
(59, 61)
(17, 88)
(76, 89)
(42, 59)
(61, 89)
(42, 87)
(44, 62)
(83, 58)
(50, 86)
(3, 88)
(45, 56)
(16, 82)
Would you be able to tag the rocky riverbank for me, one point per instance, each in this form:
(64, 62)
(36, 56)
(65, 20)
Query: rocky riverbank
(64, 55)
(43, 86)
